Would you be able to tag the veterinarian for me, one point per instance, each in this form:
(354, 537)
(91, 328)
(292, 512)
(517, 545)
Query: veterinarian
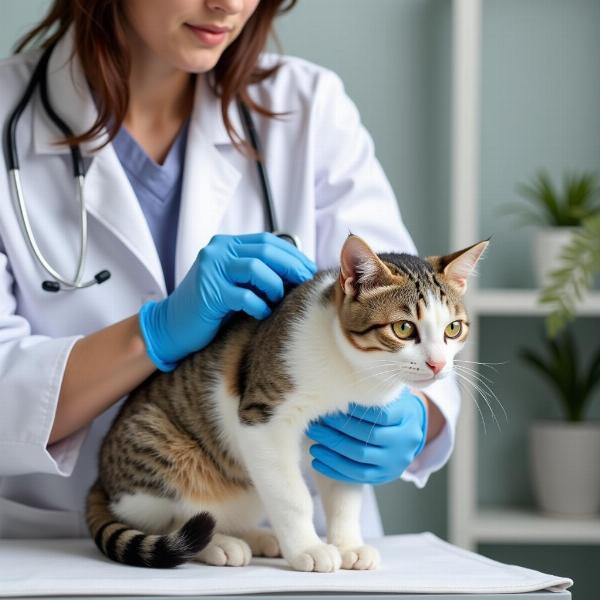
(144, 279)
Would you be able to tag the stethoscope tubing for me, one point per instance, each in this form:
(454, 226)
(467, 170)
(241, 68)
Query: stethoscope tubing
(39, 78)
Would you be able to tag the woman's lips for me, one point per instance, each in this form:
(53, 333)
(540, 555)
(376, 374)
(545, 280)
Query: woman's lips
(210, 35)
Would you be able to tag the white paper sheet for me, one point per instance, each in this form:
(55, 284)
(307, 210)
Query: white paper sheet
(419, 563)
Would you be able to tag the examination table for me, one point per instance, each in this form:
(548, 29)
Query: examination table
(413, 566)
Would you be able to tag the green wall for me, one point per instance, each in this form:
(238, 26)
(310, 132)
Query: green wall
(17, 16)
(540, 107)
(540, 98)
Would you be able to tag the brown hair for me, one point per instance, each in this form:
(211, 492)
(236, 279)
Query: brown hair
(101, 44)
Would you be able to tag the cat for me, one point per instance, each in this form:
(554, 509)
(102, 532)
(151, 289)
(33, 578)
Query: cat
(197, 456)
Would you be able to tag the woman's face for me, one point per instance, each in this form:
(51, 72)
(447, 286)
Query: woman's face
(189, 35)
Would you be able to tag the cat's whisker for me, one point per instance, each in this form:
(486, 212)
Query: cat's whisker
(350, 416)
(464, 388)
(381, 383)
(374, 368)
(475, 372)
(478, 376)
(377, 365)
(483, 395)
(373, 427)
(468, 390)
(372, 375)
(483, 364)
(372, 391)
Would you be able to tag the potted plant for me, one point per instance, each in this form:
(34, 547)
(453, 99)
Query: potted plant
(564, 454)
(559, 214)
(579, 263)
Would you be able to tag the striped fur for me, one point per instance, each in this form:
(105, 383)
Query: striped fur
(124, 544)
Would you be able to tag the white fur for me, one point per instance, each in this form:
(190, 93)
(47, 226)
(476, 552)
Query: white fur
(161, 515)
(328, 373)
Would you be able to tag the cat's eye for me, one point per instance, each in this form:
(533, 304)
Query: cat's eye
(404, 329)
(454, 329)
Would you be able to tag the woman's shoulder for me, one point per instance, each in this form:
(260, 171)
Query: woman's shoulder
(19, 65)
(294, 66)
(15, 73)
(296, 77)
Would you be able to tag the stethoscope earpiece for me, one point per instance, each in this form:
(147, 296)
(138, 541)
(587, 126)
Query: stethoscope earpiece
(54, 286)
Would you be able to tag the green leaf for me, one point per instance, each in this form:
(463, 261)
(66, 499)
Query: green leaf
(579, 263)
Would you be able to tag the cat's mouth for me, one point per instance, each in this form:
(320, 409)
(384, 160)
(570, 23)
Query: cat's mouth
(421, 382)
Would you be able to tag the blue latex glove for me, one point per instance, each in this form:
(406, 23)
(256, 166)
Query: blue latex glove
(370, 444)
(189, 318)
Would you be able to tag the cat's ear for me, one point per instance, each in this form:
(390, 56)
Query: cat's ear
(458, 266)
(360, 267)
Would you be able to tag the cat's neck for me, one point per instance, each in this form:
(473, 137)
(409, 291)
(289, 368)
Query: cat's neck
(322, 357)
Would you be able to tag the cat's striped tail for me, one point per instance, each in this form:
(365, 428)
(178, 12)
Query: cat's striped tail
(127, 545)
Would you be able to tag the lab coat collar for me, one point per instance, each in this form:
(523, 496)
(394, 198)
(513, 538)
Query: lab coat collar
(209, 179)
(70, 97)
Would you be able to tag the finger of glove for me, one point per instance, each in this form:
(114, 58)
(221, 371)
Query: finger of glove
(345, 466)
(378, 435)
(324, 469)
(257, 273)
(267, 237)
(345, 445)
(284, 263)
(238, 298)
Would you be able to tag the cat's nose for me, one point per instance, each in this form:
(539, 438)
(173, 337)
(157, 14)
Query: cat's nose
(436, 365)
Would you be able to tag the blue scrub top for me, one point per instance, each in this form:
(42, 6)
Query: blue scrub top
(158, 190)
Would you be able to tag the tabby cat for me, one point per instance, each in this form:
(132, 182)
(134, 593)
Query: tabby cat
(197, 456)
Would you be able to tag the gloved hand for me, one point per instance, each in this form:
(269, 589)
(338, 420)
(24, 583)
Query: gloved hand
(189, 318)
(370, 444)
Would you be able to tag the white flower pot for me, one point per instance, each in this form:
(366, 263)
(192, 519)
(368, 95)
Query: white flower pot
(547, 247)
(565, 465)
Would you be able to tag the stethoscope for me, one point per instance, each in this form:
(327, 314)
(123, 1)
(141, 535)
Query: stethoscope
(39, 77)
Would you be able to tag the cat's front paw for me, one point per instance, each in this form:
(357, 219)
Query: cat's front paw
(322, 558)
(360, 557)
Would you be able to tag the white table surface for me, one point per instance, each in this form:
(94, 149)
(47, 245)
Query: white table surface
(411, 564)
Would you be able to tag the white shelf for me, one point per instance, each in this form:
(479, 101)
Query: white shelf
(468, 523)
(516, 525)
(522, 302)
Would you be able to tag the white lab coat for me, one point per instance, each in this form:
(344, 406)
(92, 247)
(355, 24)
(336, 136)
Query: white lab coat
(326, 182)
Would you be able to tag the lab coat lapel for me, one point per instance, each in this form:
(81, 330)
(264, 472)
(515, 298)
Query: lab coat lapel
(209, 179)
(111, 200)
(108, 193)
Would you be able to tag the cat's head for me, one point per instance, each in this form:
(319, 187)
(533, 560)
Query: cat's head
(403, 312)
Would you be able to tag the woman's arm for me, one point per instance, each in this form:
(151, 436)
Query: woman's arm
(101, 368)
(435, 418)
